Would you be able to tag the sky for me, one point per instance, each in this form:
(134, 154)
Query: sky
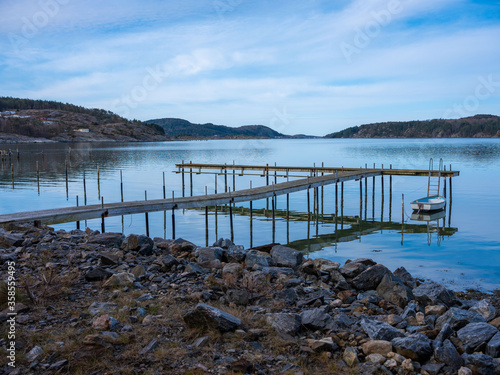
(299, 67)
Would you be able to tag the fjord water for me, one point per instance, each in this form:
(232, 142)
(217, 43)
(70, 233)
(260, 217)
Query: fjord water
(466, 253)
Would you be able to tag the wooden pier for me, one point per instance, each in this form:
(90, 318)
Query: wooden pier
(328, 176)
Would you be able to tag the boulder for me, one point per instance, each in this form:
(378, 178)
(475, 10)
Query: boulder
(109, 259)
(479, 363)
(323, 345)
(485, 309)
(317, 319)
(379, 330)
(97, 274)
(131, 242)
(145, 245)
(9, 239)
(493, 347)
(287, 323)
(431, 293)
(382, 347)
(458, 318)
(370, 278)
(445, 333)
(474, 335)
(286, 256)
(392, 289)
(445, 352)
(234, 270)
(108, 239)
(260, 258)
(406, 277)
(416, 347)
(351, 356)
(120, 279)
(206, 316)
(352, 269)
(208, 254)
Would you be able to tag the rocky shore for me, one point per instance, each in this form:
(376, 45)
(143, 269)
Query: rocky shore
(105, 303)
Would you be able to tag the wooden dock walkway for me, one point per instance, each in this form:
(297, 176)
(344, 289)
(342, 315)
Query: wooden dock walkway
(334, 175)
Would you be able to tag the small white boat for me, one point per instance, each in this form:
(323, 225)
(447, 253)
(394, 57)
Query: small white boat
(432, 203)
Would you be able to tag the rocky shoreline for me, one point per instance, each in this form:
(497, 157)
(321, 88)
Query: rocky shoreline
(105, 303)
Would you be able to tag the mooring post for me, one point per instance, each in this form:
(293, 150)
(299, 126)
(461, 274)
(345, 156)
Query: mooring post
(390, 194)
(274, 222)
(308, 205)
(342, 204)
(225, 178)
(191, 179)
(66, 171)
(98, 183)
(146, 214)
(267, 184)
(84, 189)
(451, 195)
(322, 190)
(121, 184)
(231, 219)
(182, 179)
(336, 200)
(206, 219)
(164, 190)
(234, 178)
(444, 184)
(103, 215)
(275, 175)
(77, 223)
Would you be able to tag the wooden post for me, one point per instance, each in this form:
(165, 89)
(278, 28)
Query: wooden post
(234, 178)
(164, 190)
(267, 184)
(98, 183)
(66, 171)
(231, 219)
(84, 189)
(103, 227)
(182, 180)
(444, 184)
(173, 223)
(121, 185)
(191, 180)
(451, 195)
(360, 197)
(336, 201)
(390, 194)
(77, 223)
(342, 204)
(322, 190)
(274, 222)
(146, 214)
(308, 205)
(225, 179)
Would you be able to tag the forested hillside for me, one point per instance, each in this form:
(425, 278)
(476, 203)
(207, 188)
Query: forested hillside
(479, 126)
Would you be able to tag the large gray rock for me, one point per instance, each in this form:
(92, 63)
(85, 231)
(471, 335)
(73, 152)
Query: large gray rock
(458, 318)
(406, 277)
(479, 363)
(284, 323)
(377, 330)
(446, 353)
(9, 239)
(317, 319)
(493, 347)
(445, 333)
(208, 254)
(108, 239)
(431, 293)
(370, 278)
(97, 274)
(352, 269)
(286, 256)
(485, 309)
(474, 335)
(417, 347)
(206, 316)
(392, 289)
(145, 245)
(260, 258)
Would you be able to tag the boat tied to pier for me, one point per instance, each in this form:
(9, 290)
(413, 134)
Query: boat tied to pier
(433, 201)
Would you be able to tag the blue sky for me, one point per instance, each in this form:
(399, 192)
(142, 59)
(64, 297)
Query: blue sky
(309, 67)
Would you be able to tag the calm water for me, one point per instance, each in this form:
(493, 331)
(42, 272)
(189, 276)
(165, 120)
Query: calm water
(464, 254)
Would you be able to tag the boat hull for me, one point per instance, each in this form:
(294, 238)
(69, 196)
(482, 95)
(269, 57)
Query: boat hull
(432, 203)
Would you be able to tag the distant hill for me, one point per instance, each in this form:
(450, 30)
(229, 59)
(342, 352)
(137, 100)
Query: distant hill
(479, 126)
(26, 120)
(179, 128)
